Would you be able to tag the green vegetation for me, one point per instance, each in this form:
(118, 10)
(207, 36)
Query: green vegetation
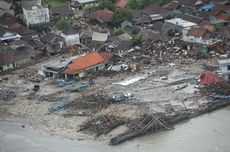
(55, 3)
(64, 23)
(102, 4)
(171, 32)
(121, 15)
(137, 39)
(118, 31)
(16, 7)
(138, 4)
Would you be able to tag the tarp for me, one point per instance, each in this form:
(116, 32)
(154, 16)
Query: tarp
(209, 77)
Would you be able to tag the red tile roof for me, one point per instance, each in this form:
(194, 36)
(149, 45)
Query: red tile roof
(121, 3)
(106, 56)
(208, 77)
(102, 15)
(84, 62)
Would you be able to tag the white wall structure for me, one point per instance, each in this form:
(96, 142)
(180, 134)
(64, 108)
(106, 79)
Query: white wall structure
(225, 67)
(35, 14)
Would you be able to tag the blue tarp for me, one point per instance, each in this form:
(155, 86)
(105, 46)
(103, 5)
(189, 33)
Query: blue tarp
(81, 86)
(220, 96)
(63, 84)
(59, 107)
(208, 7)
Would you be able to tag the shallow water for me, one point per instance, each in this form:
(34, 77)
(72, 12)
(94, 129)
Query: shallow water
(207, 133)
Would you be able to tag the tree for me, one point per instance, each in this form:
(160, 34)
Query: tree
(135, 4)
(106, 4)
(118, 31)
(171, 32)
(121, 15)
(64, 23)
(137, 39)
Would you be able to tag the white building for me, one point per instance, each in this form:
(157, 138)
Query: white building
(179, 24)
(6, 35)
(70, 36)
(86, 3)
(34, 13)
(225, 67)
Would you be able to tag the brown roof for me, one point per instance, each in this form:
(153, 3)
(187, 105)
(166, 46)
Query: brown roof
(104, 16)
(154, 9)
(6, 57)
(148, 34)
(218, 8)
(8, 20)
(223, 16)
(63, 10)
(69, 31)
(173, 5)
(199, 32)
(191, 18)
(22, 30)
(188, 3)
(121, 3)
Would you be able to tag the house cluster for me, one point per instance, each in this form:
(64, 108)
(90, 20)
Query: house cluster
(186, 27)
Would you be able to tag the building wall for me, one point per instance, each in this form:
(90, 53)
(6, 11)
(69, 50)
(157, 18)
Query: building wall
(90, 4)
(89, 70)
(6, 67)
(22, 62)
(199, 40)
(71, 39)
(224, 64)
(36, 16)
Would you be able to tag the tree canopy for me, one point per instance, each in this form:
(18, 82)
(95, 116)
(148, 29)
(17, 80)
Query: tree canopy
(121, 15)
(64, 23)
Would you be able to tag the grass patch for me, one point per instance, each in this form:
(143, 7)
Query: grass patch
(55, 3)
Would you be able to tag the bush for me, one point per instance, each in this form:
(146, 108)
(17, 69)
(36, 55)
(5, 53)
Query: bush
(137, 39)
(118, 31)
(64, 23)
(121, 15)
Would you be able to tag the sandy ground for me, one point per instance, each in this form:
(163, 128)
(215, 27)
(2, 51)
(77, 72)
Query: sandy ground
(151, 94)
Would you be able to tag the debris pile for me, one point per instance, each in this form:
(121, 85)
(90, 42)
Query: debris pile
(222, 88)
(92, 103)
(32, 75)
(101, 124)
(7, 95)
(140, 126)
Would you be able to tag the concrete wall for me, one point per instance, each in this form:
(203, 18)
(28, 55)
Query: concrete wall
(224, 68)
(92, 69)
(71, 39)
(22, 62)
(6, 67)
(36, 16)
(199, 40)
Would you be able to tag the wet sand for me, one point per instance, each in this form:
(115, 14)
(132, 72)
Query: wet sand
(207, 133)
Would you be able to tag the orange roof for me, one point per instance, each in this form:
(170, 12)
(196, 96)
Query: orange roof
(83, 62)
(106, 56)
(223, 16)
(121, 3)
(101, 15)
